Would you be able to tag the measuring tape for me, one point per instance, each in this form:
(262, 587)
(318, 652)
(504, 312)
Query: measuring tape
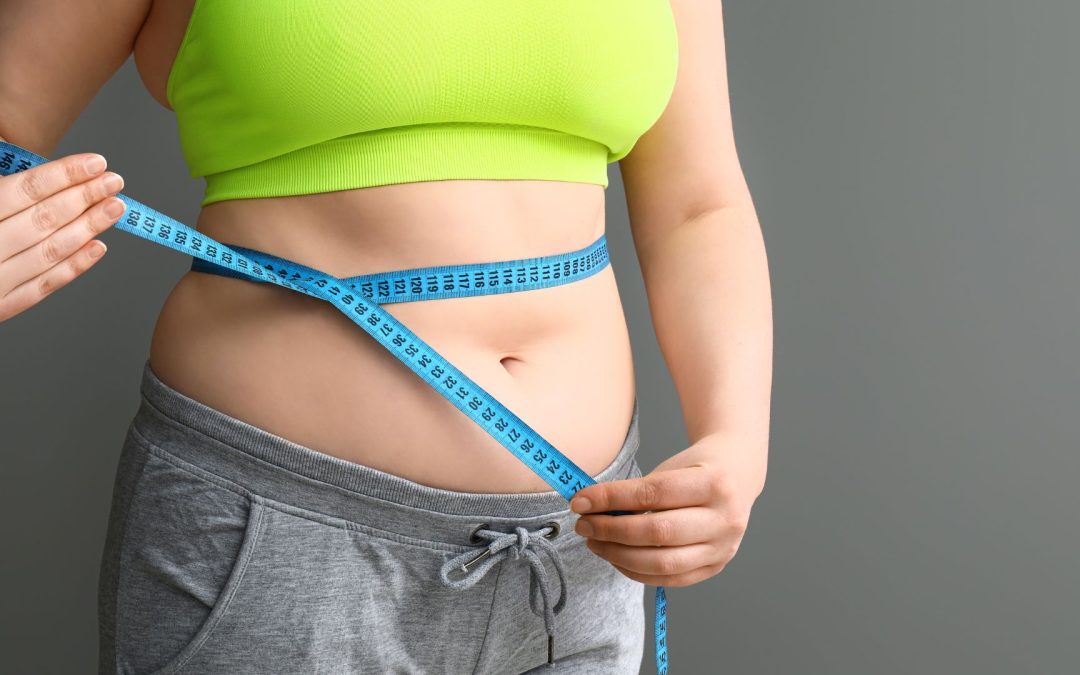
(359, 298)
(443, 281)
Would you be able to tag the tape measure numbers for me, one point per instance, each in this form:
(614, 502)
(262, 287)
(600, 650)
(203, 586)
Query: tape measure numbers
(360, 298)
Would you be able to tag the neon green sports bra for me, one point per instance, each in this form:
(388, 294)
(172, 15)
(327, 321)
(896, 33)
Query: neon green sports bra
(290, 97)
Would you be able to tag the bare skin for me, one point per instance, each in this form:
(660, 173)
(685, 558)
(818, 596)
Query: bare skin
(559, 357)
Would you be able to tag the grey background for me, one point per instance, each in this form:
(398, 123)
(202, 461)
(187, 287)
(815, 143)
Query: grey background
(915, 168)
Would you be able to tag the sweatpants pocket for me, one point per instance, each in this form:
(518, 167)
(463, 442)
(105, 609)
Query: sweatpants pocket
(186, 546)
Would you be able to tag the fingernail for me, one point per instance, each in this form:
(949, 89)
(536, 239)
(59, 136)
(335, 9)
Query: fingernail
(97, 250)
(113, 182)
(114, 207)
(95, 164)
(584, 528)
(580, 504)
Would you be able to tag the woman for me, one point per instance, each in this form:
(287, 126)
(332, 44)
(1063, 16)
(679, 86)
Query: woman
(288, 493)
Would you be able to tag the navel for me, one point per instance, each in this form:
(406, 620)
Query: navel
(511, 363)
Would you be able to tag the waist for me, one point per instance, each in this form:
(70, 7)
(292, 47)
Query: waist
(296, 367)
(400, 226)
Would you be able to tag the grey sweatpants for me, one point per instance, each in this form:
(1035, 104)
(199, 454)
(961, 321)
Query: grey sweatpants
(232, 550)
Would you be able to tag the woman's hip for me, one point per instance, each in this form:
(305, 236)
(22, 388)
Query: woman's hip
(231, 549)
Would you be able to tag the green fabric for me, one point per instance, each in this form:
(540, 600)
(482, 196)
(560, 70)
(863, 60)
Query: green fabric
(287, 97)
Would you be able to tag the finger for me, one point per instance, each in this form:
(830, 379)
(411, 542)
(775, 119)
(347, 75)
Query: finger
(32, 225)
(21, 190)
(685, 579)
(33, 291)
(61, 244)
(663, 561)
(690, 486)
(674, 527)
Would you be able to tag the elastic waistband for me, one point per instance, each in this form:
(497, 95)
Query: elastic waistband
(278, 469)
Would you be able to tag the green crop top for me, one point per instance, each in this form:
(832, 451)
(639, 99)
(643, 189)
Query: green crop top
(290, 97)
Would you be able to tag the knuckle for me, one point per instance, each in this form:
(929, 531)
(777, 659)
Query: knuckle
(43, 217)
(93, 223)
(648, 493)
(58, 277)
(600, 530)
(668, 563)
(31, 185)
(98, 221)
(50, 251)
(706, 572)
(92, 191)
(77, 264)
(720, 486)
(663, 531)
(73, 170)
(46, 284)
(598, 497)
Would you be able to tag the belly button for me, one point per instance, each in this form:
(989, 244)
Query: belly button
(509, 362)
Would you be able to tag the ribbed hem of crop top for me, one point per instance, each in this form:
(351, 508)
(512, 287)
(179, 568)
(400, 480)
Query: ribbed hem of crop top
(417, 153)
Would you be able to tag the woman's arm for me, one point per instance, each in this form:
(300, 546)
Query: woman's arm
(54, 57)
(703, 262)
(699, 243)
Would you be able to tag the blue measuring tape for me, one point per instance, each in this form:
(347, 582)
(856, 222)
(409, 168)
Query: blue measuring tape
(359, 298)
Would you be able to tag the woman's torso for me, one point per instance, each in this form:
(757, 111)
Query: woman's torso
(558, 357)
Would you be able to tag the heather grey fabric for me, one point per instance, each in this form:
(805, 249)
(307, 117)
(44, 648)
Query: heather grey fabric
(232, 550)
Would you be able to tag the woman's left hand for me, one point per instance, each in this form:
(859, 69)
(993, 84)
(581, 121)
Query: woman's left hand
(695, 509)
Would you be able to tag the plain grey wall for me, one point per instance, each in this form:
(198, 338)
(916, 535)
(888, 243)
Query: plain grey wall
(915, 167)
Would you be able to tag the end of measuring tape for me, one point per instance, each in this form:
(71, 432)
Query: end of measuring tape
(660, 614)
(661, 631)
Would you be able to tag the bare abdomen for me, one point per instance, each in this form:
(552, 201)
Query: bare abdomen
(558, 357)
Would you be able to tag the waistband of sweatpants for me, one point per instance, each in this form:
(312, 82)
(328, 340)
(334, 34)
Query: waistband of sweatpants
(288, 473)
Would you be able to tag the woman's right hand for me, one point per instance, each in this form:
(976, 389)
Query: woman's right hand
(49, 216)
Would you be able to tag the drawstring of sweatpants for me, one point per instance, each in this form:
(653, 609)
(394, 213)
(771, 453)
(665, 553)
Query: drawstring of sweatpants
(517, 544)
